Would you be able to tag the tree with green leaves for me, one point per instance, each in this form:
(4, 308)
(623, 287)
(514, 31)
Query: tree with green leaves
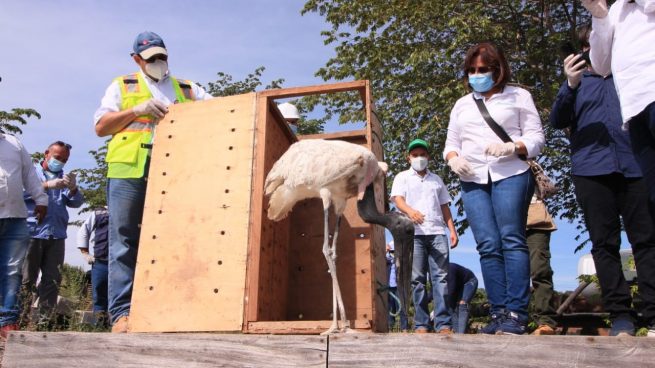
(10, 121)
(412, 52)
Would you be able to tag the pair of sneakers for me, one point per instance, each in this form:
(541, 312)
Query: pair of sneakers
(507, 323)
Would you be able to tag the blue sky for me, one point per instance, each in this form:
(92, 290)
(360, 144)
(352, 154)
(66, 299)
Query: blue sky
(60, 55)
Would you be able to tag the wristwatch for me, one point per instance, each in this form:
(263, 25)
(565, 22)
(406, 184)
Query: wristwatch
(516, 147)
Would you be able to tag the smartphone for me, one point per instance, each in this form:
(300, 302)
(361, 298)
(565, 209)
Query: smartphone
(567, 49)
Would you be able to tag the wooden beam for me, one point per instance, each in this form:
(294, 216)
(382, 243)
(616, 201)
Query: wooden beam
(414, 350)
(338, 135)
(315, 90)
(301, 327)
(90, 350)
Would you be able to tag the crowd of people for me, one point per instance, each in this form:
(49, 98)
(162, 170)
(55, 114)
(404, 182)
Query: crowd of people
(607, 108)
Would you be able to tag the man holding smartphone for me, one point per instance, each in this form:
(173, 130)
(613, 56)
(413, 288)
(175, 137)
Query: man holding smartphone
(609, 187)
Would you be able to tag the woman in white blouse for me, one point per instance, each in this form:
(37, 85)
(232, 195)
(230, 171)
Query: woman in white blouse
(496, 184)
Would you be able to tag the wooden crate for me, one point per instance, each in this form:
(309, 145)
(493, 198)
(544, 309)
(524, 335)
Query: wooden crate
(210, 260)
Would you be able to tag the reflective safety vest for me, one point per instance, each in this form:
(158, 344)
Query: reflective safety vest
(128, 149)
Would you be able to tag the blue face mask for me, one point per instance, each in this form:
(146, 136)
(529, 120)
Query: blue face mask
(481, 82)
(55, 165)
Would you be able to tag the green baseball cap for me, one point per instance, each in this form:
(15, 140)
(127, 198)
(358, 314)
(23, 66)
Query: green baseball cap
(417, 143)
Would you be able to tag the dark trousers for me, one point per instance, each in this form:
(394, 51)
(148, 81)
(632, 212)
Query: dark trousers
(604, 199)
(642, 137)
(46, 256)
(541, 275)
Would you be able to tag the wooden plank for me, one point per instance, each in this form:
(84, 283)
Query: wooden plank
(314, 90)
(89, 350)
(412, 350)
(347, 135)
(301, 327)
(191, 264)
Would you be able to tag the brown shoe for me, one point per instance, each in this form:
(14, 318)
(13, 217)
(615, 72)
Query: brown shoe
(4, 330)
(445, 331)
(121, 325)
(421, 331)
(544, 330)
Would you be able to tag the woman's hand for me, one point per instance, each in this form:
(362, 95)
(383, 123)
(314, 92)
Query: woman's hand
(460, 166)
(500, 149)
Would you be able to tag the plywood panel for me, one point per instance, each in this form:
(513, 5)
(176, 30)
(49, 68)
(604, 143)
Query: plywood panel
(192, 257)
(267, 278)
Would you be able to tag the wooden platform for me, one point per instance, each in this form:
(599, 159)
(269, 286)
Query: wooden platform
(64, 349)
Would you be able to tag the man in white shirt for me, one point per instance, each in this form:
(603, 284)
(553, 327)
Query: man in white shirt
(130, 110)
(424, 198)
(622, 44)
(16, 173)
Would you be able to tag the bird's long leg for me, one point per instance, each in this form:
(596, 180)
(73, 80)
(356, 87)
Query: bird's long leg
(337, 290)
(325, 196)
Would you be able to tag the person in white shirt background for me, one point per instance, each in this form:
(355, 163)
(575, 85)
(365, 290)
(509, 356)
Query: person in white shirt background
(496, 184)
(621, 43)
(16, 172)
(129, 111)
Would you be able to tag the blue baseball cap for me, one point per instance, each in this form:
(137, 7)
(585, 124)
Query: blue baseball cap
(148, 44)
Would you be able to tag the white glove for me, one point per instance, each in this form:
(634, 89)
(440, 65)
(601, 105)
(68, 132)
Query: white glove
(56, 184)
(88, 258)
(460, 166)
(597, 8)
(573, 68)
(71, 181)
(151, 107)
(500, 149)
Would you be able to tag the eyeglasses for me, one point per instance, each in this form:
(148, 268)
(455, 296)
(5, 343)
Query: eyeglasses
(479, 70)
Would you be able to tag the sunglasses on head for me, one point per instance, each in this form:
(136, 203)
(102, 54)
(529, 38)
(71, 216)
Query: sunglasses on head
(479, 70)
(62, 144)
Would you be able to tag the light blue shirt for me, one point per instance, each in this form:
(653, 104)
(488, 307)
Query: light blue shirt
(56, 221)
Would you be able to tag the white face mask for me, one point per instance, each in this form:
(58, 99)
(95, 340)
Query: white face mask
(419, 163)
(157, 70)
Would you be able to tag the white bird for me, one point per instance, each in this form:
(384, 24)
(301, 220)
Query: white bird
(333, 171)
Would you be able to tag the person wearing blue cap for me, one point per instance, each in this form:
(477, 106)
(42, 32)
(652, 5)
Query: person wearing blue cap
(423, 197)
(129, 111)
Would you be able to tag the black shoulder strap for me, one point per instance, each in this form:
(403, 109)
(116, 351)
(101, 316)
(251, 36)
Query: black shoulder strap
(500, 132)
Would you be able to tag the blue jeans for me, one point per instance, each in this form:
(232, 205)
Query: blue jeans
(394, 308)
(460, 314)
(430, 251)
(99, 281)
(497, 213)
(14, 239)
(125, 198)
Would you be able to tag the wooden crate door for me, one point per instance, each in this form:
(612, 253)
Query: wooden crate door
(191, 267)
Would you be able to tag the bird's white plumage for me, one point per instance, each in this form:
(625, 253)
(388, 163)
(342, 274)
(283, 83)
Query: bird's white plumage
(314, 164)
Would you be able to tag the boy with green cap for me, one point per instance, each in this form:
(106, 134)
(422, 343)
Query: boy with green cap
(424, 198)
